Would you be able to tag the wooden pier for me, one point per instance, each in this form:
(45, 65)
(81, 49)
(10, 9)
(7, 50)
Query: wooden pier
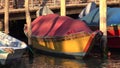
(17, 12)
(73, 8)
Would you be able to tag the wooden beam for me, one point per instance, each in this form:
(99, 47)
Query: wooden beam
(6, 16)
(28, 21)
(63, 8)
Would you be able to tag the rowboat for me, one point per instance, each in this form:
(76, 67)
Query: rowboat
(62, 35)
(113, 21)
(7, 43)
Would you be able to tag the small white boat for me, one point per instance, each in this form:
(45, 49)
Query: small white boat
(9, 42)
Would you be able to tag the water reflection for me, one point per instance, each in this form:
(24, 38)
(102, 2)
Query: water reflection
(52, 62)
(44, 61)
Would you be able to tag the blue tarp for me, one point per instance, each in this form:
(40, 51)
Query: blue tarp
(113, 17)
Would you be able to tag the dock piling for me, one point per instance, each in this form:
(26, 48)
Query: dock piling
(6, 16)
(28, 21)
(103, 25)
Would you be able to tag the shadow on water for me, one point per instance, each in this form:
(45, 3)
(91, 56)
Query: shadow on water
(49, 61)
(45, 61)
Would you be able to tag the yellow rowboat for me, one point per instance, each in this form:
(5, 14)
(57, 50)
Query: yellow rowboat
(77, 44)
(62, 35)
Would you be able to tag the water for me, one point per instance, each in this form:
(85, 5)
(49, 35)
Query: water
(47, 61)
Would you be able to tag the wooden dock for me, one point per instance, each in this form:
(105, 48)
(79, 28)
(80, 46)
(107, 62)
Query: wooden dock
(19, 13)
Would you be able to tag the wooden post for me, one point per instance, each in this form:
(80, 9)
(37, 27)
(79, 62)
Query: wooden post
(119, 2)
(15, 4)
(1, 26)
(6, 16)
(103, 25)
(63, 8)
(1, 4)
(54, 2)
(28, 21)
(32, 4)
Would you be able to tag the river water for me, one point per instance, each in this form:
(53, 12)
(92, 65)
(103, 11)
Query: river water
(47, 61)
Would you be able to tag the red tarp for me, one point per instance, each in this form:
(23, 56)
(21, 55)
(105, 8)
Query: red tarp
(55, 25)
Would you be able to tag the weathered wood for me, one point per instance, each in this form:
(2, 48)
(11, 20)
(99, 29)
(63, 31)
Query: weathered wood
(63, 8)
(1, 26)
(28, 21)
(19, 13)
(103, 25)
(81, 6)
(6, 16)
(103, 18)
(32, 3)
(20, 10)
(55, 2)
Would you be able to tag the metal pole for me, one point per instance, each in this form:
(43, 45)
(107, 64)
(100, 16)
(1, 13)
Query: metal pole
(63, 8)
(6, 16)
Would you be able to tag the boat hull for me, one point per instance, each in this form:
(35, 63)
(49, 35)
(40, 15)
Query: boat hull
(113, 35)
(113, 30)
(8, 42)
(62, 35)
(78, 44)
